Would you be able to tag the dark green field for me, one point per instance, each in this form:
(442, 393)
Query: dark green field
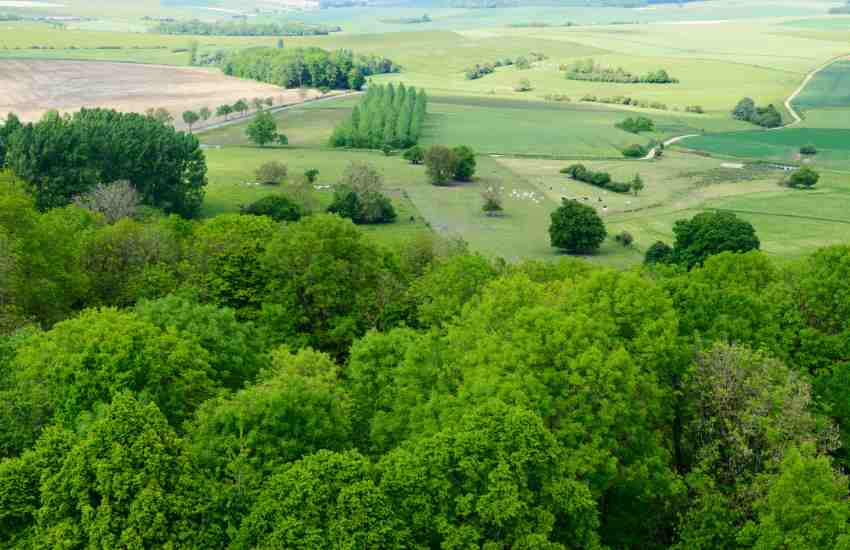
(833, 145)
(829, 88)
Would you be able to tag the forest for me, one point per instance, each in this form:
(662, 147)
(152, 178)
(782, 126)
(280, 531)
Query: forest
(387, 116)
(312, 67)
(196, 27)
(242, 383)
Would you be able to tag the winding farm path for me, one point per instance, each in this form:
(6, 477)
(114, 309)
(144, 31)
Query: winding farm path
(789, 102)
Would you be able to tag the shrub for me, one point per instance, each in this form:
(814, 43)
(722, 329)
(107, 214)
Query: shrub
(312, 175)
(523, 85)
(492, 205)
(465, 166)
(624, 238)
(635, 151)
(440, 164)
(805, 177)
(808, 150)
(658, 253)
(276, 207)
(414, 155)
(272, 173)
(636, 125)
(576, 228)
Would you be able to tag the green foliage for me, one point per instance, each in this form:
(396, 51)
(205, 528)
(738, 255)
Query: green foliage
(61, 157)
(359, 196)
(304, 67)
(440, 164)
(191, 118)
(494, 479)
(808, 150)
(330, 284)
(272, 173)
(600, 179)
(414, 155)
(747, 110)
(636, 125)
(125, 483)
(262, 130)
(325, 501)
(576, 228)
(805, 507)
(658, 253)
(277, 207)
(196, 27)
(635, 151)
(63, 374)
(711, 233)
(465, 167)
(589, 70)
(805, 177)
(387, 117)
(442, 292)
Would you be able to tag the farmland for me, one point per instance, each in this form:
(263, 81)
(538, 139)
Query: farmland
(762, 50)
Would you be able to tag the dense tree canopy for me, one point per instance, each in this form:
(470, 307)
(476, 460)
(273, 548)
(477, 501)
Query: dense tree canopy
(305, 67)
(241, 382)
(576, 228)
(61, 157)
(386, 117)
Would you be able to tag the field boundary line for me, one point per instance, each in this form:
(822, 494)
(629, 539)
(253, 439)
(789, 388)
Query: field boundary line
(798, 216)
(272, 110)
(789, 102)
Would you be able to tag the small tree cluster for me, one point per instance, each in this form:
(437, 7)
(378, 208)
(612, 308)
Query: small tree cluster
(636, 125)
(804, 178)
(444, 164)
(702, 236)
(580, 172)
(589, 70)
(387, 116)
(263, 130)
(277, 207)
(747, 110)
(360, 196)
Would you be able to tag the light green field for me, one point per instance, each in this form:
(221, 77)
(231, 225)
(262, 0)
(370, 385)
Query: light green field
(829, 88)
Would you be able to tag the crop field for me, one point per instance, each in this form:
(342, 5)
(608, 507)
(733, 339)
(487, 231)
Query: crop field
(829, 88)
(31, 87)
(833, 145)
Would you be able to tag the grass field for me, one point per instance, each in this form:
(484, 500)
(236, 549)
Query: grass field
(833, 145)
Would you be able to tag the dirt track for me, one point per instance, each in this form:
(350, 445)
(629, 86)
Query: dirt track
(31, 87)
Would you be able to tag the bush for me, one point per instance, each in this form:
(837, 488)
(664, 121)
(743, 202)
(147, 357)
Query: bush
(362, 208)
(311, 175)
(747, 110)
(805, 177)
(576, 228)
(414, 155)
(636, 125)
(523, 85)
(276, 207)
(465, 166)
(624, 238)
(658, 253)
(440, 164)
(808, 150)
(600, 179)
(272, 173)
(711, 233)
(635, 151)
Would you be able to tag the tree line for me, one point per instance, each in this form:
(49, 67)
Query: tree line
(522, 62)
(580, 172)
(589, 70)
(307, 67)
(197, 27)
(242, 383)
(64, 156)
(387, 116)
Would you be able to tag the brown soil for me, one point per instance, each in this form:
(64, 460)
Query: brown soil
(31, 87)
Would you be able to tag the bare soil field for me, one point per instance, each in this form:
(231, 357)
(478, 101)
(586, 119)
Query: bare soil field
(31, 87)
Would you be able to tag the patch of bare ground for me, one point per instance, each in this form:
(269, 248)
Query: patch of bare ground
(31, 87)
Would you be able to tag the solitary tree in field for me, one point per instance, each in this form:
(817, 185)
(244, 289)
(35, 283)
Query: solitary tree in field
(205, 113)
(414, 155)
(492, 205)
(263, 129)
(190, 118)
(465, 166)
(637, 184)
(576, 228)
(805, 177)
(711, 233)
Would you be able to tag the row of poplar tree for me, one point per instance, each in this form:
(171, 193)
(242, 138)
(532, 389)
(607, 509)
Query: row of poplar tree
(388, 116)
